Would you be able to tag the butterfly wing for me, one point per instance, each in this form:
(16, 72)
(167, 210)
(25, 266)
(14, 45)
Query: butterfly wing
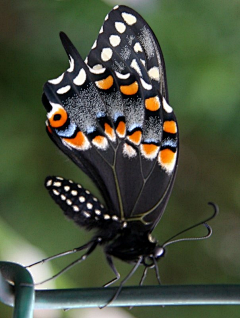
(110, 115)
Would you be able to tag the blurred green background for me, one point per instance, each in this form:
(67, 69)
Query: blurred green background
(201, 45)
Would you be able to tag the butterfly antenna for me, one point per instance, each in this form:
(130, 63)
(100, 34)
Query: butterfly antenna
(208, 227)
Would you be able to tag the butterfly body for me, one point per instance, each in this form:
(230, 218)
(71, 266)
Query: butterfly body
(110, 115)
(120, 238)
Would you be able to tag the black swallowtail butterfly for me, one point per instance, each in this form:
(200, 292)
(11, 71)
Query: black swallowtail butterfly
(110, 115)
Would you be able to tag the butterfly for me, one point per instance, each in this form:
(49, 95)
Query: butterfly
(110, 115)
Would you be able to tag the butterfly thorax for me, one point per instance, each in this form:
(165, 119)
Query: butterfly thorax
(130, 247)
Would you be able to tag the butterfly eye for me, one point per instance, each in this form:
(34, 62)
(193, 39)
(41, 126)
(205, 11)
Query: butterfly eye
(159, 252)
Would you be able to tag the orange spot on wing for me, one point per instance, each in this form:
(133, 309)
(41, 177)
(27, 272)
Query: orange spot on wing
(121, 129)
(100, 142)
(105, 83)
(149, 149)
(129, 89)
(135, 137)
(98, 139)
(152, 103)
(58, 119)
(170, 126)
(79, 141)
(109, 131)
(167, 156)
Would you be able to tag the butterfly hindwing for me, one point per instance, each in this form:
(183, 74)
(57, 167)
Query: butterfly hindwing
(110, 115)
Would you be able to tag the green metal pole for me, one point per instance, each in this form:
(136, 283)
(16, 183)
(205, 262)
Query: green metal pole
(20, 293)
(140, 296)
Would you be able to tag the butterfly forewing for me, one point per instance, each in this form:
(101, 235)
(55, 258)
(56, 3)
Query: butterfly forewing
(110, 115)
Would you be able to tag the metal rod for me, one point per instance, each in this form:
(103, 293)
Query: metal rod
(140, 296)
(98, 297)
(20, 292)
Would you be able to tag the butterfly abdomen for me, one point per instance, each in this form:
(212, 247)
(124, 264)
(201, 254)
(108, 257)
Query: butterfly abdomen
(79, 204)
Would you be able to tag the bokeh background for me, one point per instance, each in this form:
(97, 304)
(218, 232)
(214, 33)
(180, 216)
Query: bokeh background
(201, 45)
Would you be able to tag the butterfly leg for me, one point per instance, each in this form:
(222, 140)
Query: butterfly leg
(133, 270)
(113, 268)
(91, 247)
(61, 254)
(157, 272)
(143, 276)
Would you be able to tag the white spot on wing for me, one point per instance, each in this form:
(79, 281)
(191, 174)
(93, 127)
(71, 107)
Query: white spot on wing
(116, 7)
(114, 40)
(137, 47)
(101, 30)
(106, 54)
(129, 151)
(122, 76)
(129, 18)
(120, 27)
(94, 44)
(56, 80)
(136, 67)
(146, 85)
(154, 73)
(80, 78)
(63, 90)
(97, 69)
(166, 107)
(55, 108)
(71, 68)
